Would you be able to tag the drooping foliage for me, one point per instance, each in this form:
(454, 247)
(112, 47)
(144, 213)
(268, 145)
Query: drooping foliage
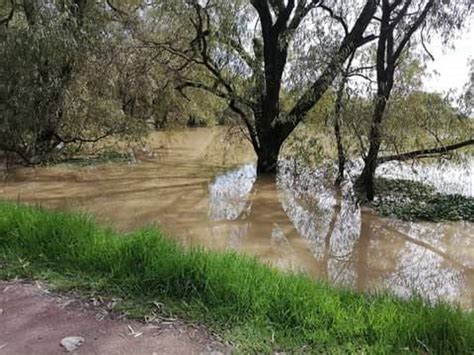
(59, 73)
(72, 73)
(91, 69)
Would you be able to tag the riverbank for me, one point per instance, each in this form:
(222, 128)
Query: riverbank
(204, 194)
(254, 306)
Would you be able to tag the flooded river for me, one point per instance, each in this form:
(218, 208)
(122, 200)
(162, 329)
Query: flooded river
(203, 192)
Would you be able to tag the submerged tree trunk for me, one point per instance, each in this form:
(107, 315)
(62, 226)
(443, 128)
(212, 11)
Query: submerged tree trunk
(366, 180)
(341, 155)
(267, 158)
(389, 50)
(274, 126)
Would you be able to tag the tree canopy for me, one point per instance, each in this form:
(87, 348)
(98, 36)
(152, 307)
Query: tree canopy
(78, 71)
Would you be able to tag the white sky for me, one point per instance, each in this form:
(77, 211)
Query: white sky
(451, 64)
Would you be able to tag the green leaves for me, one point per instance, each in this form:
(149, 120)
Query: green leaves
(62, 79)
(410, 200)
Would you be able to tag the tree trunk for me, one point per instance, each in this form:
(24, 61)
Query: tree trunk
(388, 55)
(277, 36)
(366, 180)
(341, 156)
(267, 158)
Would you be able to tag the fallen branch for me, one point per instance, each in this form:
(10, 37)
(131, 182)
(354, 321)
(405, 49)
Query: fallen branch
(425, 153)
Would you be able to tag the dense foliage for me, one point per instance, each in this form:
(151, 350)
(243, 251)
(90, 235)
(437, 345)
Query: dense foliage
(57, 83)
(410, 200)
(72, 74)
(75, 72)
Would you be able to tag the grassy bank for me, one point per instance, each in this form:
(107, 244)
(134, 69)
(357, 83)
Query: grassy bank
(255, 306)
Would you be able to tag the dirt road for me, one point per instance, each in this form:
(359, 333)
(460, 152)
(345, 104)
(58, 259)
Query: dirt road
(34, 321)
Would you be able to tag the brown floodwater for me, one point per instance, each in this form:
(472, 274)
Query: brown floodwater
(203, 191)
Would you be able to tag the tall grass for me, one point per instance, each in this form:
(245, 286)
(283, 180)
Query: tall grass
(257, 307)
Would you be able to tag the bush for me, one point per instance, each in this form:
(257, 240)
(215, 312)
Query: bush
(411, 200)
(55, 88)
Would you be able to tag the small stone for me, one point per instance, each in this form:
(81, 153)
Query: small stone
(72, 343)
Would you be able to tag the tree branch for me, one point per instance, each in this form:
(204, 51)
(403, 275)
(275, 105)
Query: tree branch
(265, 17)
(204, 87)
(278, 6)
(116, 9)
(301, 11)
(351, 41)
(242, 52)
(413, 28)
(283, 17)
(336, 17)
(425, 153)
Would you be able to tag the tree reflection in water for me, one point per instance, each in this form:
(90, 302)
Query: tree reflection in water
(302, 222)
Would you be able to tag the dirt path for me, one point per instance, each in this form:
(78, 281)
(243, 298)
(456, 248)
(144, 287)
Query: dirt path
(34, 321)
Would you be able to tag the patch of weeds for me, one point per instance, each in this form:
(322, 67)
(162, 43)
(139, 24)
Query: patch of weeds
(411, 200)
(100, 158)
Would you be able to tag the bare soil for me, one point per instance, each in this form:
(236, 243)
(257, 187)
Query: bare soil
(34, 321)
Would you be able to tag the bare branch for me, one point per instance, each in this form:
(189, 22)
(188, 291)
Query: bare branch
(265, 16)
(278, 6)
(413, 28)
(300, 13)
(116, 8)
(426, 153)
(336, 17)
(427, 51)
(353, 40)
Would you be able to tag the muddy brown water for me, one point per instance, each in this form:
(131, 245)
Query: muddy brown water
(203, 191)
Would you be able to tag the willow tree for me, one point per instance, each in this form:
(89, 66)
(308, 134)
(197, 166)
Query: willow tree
(38, 56)
(252, 51)
(64, 68)
(399, 23)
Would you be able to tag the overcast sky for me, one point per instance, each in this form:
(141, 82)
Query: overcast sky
(451, 64)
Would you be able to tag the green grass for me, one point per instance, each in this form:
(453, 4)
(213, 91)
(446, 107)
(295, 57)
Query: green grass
(256, 307)
(412, 200)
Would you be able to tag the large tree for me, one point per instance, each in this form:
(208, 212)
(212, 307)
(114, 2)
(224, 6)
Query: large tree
(251, 50)
(399, 22)
(68, 76)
